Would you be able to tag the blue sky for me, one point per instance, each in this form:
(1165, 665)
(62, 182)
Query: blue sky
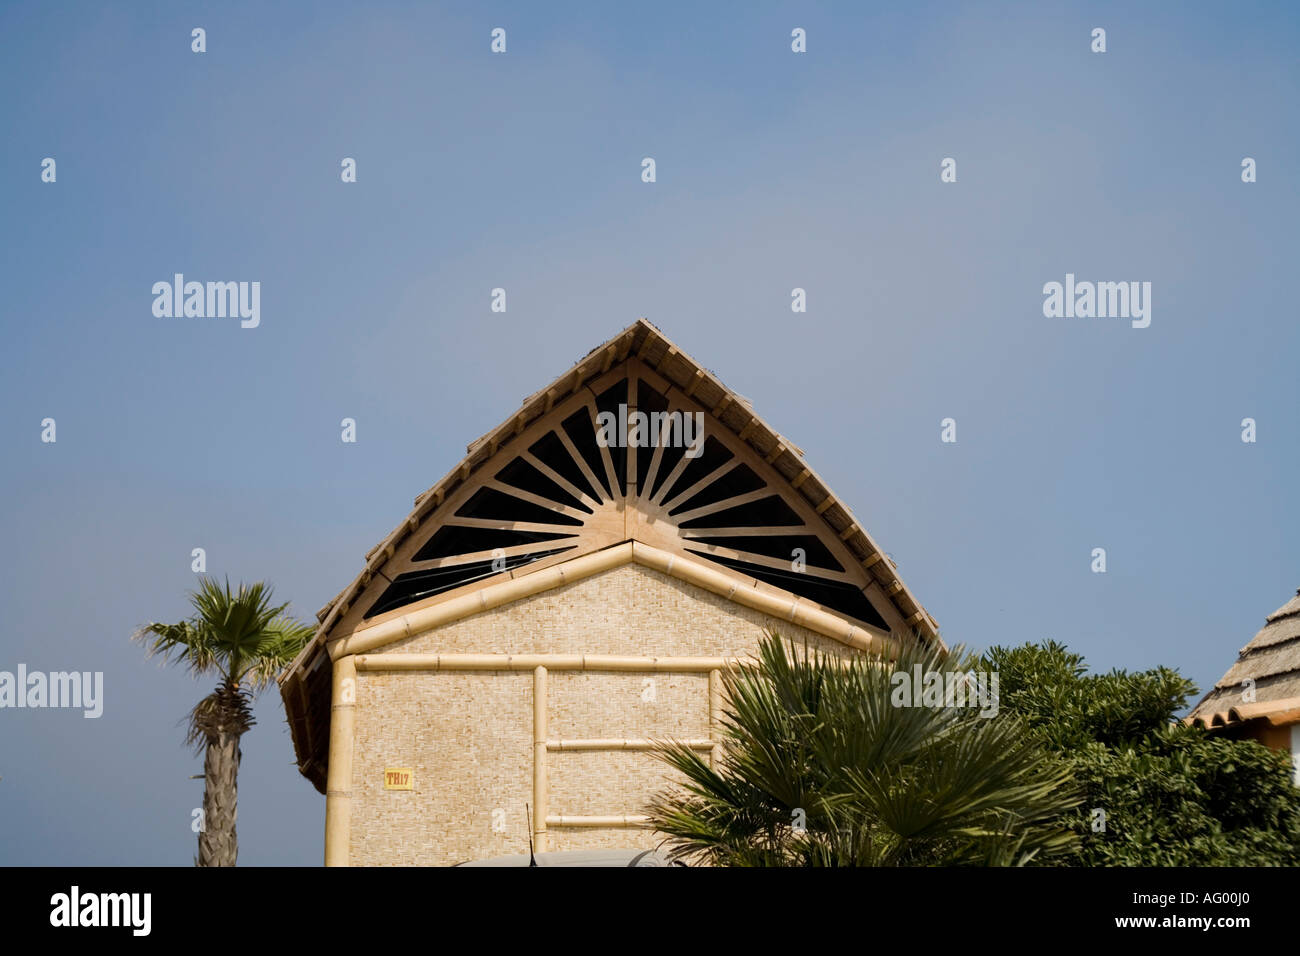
(522, 171)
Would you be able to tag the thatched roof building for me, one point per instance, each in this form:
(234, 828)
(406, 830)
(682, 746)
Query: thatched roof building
(558, 599)
(1259, 696)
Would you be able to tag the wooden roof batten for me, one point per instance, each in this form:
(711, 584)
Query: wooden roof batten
(666, 369)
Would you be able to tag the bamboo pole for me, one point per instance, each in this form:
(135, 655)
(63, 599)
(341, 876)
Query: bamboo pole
(624, 820)
(715, 717)
(693, 572)
(540, 783)
(552, 662)
(873, 640)
(613, 743)
(338, 780)
(503, 592)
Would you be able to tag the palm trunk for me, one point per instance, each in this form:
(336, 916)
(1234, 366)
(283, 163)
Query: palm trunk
(218, 845)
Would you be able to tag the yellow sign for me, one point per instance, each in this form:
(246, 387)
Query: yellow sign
(397, 778)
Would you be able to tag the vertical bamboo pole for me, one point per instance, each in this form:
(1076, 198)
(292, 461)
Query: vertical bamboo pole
(715, 716)
(338, 779)
(539, 760)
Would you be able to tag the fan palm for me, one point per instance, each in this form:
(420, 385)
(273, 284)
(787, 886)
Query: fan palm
(820, 768)
(244, 640)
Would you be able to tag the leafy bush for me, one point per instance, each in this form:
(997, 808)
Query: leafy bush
(1171, 795)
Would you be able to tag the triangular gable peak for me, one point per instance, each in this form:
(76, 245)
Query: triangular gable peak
(636, 442)
(727, 494)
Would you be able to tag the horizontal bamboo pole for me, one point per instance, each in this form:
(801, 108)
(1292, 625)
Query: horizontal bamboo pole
(503, 592)
(552, 662)
(613, 743)
(626, 820)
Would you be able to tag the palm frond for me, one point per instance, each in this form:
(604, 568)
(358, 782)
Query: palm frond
(820, 767)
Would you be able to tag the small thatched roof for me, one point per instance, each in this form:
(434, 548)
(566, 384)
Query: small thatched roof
(1272, 661)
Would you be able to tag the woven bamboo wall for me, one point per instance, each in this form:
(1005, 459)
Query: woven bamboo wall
(468, 736)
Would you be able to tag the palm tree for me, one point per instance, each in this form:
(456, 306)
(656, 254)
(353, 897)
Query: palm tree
(821, 768)
(244, 641)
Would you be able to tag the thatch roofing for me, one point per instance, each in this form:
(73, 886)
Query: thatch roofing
(1272, 661)
(305, 683)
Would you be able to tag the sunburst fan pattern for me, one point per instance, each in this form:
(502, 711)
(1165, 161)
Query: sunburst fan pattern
(566, 492)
